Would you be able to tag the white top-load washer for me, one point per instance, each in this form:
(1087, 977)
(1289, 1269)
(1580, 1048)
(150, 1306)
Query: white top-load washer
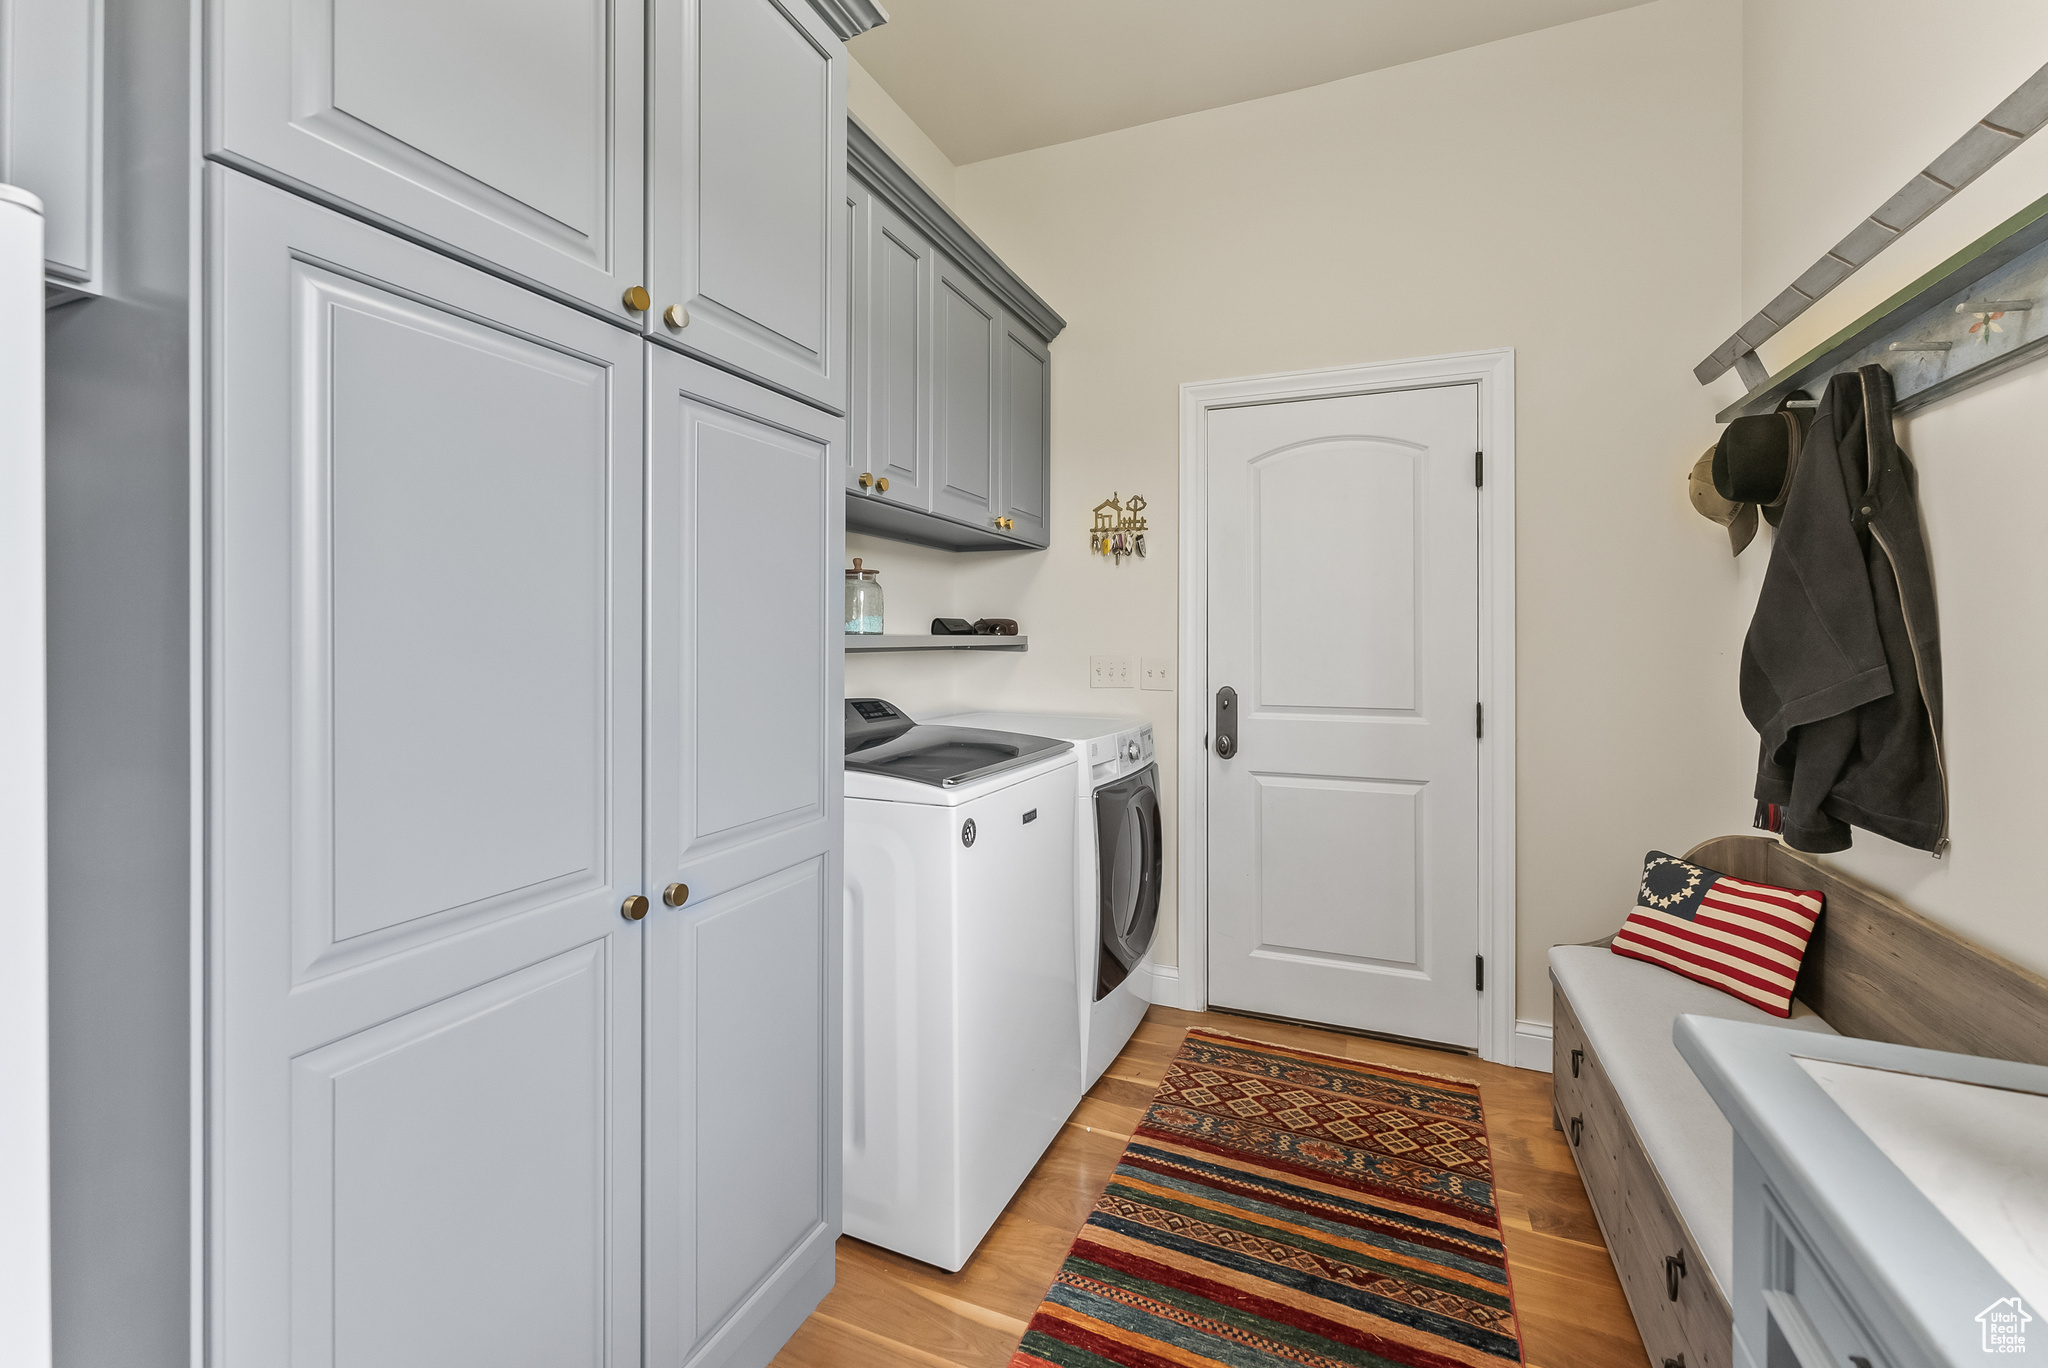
(1116, 896)
(963, 1054)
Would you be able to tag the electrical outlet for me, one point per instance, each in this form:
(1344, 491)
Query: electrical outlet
(1156, 672)
(1109, 672)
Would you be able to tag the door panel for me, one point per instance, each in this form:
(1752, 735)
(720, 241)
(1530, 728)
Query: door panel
(860, 217)
(1338, 873)
(748, 178)
(50, 100)
(899, 340)
(1027, 409)
(965, 324)
(744, 803)
(743, 1097)
(1369, 663)
(425, 563)
(459, 779)
(1343, 608)
(744, 733)
(408, 1138)
(510, 133)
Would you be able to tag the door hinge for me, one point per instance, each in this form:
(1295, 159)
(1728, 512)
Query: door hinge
(1479, 470)
(1479, 973)
(1479, 720)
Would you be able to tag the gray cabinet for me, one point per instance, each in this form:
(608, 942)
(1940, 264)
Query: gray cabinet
(952, 395)
(424, 713)
(747, 176)
(966, 328)
(895, 270)
(1023, 436)
(744, 809)
(511, 135)
(50, 130)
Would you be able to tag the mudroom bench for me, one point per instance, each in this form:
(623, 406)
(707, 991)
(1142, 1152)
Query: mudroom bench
(1656, 1154)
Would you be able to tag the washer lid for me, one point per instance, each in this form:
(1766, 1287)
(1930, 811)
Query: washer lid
(880, 739)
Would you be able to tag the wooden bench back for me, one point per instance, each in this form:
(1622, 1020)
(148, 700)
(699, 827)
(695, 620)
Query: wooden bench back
(1881, 971)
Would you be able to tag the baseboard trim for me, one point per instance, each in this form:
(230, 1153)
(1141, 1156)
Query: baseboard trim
(1532, 1046)
(1166, 988)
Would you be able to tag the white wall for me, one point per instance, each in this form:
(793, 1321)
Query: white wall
(897, 131)
(1844, 101)
(1572, 193)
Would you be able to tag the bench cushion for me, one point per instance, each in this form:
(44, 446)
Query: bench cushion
(1626, 1008)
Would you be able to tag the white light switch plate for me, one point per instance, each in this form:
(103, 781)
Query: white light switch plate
(1109, 672)
(1156, 672)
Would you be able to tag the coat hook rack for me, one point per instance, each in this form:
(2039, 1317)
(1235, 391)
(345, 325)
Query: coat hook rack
(1119, 528)
(1971, 318)
(2018, 117)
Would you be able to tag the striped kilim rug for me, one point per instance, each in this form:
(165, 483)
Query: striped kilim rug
(1277, 1208)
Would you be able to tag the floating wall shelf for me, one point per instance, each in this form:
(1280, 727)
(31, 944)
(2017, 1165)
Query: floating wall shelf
(888, 642)
(1976, 315)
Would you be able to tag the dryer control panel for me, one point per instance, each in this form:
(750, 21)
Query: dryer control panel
(1110, 757)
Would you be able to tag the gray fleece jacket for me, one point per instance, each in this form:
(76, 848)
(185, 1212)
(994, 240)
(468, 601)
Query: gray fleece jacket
(1841, 671)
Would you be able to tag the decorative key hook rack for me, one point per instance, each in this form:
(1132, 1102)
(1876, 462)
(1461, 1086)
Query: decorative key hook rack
(1119, 528)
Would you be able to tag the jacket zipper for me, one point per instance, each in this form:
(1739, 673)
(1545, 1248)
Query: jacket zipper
(1920, 678)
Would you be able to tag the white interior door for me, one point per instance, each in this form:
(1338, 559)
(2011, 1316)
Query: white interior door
(1343, 613)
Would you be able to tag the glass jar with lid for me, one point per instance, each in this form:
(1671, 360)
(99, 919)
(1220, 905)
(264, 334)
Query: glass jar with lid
(863, 601)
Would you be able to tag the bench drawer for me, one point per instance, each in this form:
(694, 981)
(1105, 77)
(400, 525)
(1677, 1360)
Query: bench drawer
(1636, 1216)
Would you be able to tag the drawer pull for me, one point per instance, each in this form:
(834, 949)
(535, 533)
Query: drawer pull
(1577, 1056)
(1674, 1269)
(1679, 1362)
(1578, 1124)
(1859, 1361)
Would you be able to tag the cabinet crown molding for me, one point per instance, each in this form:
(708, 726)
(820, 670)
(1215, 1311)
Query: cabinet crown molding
(851, 18)
(901, 191)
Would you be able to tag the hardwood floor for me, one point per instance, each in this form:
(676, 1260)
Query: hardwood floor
(888, 1311)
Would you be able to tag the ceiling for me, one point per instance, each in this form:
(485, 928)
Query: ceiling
(985, 78)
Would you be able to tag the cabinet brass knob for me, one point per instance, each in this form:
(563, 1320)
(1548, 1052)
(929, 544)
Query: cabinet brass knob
(867, 481)
(883, 484)
(675, 895)
(636, 299)
(633, 908)
(676, 316)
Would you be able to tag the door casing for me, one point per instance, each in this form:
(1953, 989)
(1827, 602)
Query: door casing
(1186, 985)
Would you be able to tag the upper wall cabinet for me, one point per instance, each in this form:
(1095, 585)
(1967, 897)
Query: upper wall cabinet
(506, 131)
(747, 229)
(950, 418)
(50, 130)
(1023, 434)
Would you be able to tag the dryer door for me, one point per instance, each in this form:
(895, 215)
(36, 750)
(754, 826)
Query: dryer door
(1129, 848)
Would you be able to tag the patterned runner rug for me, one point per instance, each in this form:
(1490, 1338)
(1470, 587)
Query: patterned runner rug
(1278, 1208)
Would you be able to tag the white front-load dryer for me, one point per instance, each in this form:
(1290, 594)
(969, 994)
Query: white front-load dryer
(962, 1052)
(1118, 840)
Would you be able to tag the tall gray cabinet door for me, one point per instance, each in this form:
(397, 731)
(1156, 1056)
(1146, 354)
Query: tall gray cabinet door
(747, 179)
(423, 698)
(744, 802)
(1023, 438)
(509, 131)
(966, 337)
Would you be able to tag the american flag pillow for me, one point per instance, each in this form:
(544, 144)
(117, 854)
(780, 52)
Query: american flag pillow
(1746, 939)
